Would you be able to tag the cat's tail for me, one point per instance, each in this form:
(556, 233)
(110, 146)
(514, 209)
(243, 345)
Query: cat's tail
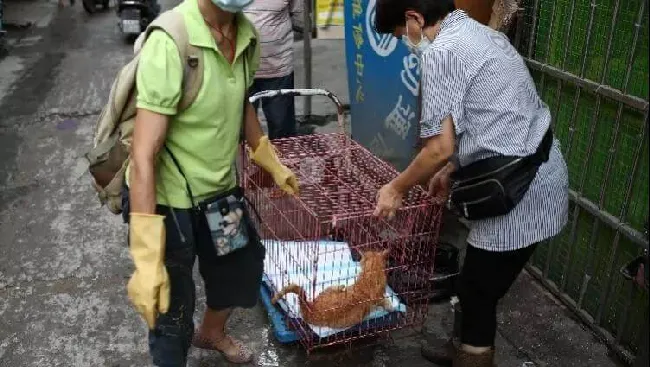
(291, 288)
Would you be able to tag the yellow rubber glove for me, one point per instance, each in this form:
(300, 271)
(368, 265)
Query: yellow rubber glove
(265, 157)
(148, 288)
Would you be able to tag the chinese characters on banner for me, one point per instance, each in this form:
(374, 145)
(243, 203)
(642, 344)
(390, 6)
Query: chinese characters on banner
(358, 41)
(399, 120)
(383, 79)
(411, 74)
(379, 145)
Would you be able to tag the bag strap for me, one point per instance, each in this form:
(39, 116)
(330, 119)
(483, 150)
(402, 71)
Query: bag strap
(189, 189)
(234, 165)
(543, 151)
(180, 170)
(172, 22)
(192, 78)
(242, 132)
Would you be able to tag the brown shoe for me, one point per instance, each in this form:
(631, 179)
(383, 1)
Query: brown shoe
(464, 359)
(442, 355)
(236, 352)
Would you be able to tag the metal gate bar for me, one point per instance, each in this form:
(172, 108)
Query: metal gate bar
(606, 123)
(589, 85)
(583, 315)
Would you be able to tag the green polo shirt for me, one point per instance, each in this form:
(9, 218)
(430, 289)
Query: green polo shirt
(203, 138)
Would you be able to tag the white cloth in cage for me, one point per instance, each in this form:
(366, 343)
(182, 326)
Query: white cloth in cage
(335, 267)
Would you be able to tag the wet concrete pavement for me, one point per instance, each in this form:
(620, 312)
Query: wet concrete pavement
(64, 262)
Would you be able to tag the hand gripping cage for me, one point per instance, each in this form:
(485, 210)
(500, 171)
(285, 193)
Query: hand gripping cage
(315, 240)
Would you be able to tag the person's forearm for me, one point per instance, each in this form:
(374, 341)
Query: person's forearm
(142, 190)
(252, 129)
(149, 134)
(425, 165)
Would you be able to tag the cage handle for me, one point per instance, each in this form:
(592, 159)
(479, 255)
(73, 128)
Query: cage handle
(305, 93)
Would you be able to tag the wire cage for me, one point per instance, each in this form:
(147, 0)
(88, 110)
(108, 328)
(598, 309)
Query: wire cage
(316, 239)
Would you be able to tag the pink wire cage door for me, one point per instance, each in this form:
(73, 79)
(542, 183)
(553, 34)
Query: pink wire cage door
(316, 239)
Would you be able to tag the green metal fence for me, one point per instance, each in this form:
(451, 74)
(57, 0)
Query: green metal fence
(589, 59)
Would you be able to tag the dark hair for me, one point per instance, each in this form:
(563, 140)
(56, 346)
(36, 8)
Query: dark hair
(390, 13)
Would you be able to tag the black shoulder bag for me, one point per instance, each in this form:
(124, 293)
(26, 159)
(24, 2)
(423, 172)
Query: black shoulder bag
(494, 186)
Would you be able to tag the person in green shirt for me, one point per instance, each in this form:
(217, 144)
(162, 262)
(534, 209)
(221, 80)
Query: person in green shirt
(179, 159)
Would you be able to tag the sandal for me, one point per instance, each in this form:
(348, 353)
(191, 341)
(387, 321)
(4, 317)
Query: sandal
(242, 356)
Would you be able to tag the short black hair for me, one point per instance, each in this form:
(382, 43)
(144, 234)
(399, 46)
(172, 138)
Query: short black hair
(389, 14)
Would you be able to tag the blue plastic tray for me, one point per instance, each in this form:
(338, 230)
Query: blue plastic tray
(280, 328)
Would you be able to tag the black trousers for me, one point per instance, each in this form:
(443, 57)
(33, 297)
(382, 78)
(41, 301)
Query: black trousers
(486, 277)
(280, 112)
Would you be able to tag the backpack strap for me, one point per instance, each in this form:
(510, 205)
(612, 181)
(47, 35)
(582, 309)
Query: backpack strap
(193, 77)
(172, 22)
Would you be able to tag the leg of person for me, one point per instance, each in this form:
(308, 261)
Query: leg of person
(442, 353)
(170, 340)
(486, 277)
(280, 111)
(231, 281)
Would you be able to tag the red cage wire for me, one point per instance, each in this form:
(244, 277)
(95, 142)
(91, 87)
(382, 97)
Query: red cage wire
(316, 238)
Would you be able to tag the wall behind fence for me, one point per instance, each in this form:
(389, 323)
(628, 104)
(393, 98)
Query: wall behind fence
(589, 59)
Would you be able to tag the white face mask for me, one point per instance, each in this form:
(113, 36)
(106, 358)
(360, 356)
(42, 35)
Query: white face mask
(416, 49)
(232, 6)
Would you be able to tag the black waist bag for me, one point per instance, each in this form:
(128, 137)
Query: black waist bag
(493, 186)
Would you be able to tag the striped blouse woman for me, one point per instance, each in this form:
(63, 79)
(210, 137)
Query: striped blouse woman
(478, 101)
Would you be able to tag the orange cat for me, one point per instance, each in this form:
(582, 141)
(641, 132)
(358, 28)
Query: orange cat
(342, 307)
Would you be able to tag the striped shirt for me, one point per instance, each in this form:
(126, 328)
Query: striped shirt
(473, 74)
(274, 20)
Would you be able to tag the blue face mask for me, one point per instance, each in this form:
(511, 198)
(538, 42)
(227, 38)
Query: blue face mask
(420, 47)
(232, 6)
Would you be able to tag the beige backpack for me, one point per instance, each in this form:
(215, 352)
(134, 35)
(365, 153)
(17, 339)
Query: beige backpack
(109, 156)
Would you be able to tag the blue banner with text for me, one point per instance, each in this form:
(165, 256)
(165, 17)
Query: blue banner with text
(383, 78)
